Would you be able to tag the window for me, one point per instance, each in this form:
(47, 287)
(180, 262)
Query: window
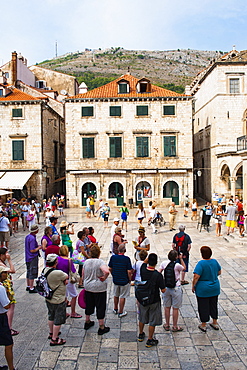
(115, 111)
(142, 110)
(87, 111)
(234, 86)
(115, 147)
(142, 149)
(169, 146)
(88, 147)
(123, 88)
(1, 92)
(18, 150)
(7, 74)
(169, 110)
(40, 84)
(17, 112)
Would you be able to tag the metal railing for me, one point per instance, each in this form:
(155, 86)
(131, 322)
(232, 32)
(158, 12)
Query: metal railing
(242, 143)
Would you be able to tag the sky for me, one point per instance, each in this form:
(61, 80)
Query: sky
(32, 27)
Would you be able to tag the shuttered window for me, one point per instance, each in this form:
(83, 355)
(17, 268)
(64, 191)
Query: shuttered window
(122, 88)
(169, 110)
(142, 110)
(18, 150)
(169, 146)
(17, 112)
(142, 149)
(87, 111)
(88, 147)
(115, 111)
(115, 147)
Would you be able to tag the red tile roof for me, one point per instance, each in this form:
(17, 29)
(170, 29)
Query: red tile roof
(17, 95)
(110, 90)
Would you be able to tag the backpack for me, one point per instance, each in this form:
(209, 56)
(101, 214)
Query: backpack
(169, 275)
(145, 291)
(179, 243)
(42, 285)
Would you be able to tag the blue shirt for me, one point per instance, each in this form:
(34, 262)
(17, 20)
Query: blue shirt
(120, 265)
(54, 230)
(208, 284)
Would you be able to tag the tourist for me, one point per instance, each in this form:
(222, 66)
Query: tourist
(141, 243)
(90, 235)
(230, 214)
(186, 205)
(54, 247)
(113, 228)
(118, 239)
(217, 216)
(46, 241)
(206, 286)
(182, 244)
(153, 216)
(4, 230)
(91, 204)
(37, 206)
(172, 216)
(66, 230)
(241, 219)
(99, 209)
(53, 223)
(106, 214)
(140, 213)
(48, 214)
(31, 217)
(32, 258)
(124, 215)
(194, 207)
(95, 273)
(84, 248)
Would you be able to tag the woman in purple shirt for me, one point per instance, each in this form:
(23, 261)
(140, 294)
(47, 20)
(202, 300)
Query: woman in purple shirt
(64, 264)
(46, 241)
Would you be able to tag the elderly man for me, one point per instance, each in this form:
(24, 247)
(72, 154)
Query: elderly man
(116, 221)
(172, 216)
(5, 333)
(54, 247)
(4, 230)
(57, 281)
(182, 244)
(32, 258)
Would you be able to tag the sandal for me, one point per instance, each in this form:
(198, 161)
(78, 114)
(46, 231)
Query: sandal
(178, 328)
(57, 342)
(166, 327)
(68, 304)
(14, 332)
(76, 316)
(80, 286)
(202, 328)
(214, 326)
(184, 282)
(50, 335)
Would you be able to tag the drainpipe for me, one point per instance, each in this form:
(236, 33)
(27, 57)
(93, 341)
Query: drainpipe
(14, 68)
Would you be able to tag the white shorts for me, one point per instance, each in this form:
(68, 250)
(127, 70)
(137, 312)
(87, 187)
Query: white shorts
(71, 290)
(121, 291)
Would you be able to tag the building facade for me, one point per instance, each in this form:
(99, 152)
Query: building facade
(219, 125)
(129, 141)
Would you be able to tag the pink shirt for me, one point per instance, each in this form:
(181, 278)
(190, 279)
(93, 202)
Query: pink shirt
(178, 268)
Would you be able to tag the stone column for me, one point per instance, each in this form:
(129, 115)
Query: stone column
(233, 185)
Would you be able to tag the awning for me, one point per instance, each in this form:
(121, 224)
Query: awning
(4, 192)
(15, 180)
(1, 174)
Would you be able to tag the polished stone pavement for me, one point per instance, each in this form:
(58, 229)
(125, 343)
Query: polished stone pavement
(119, 349)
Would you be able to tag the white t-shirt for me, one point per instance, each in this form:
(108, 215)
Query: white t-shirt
(178, 268)
(143, 244)
(153, 213)
(4, 301)
(4, 224)
(137, 267)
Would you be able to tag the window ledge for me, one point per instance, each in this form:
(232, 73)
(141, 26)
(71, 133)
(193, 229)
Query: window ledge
(16, 118)
(18, 160)
(168, 115)
(115, 158)
(170, 157)
(83, 117)
(144, 116)
(88, 158)
(142, 157)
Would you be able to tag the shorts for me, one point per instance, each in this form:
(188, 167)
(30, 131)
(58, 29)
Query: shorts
(5, 333)
(186, 261)
(32, 268)
(97, 300)
(56, 312)
(230, 223)
(4, 236)
(141, 218)
(121, 291)
(71, 290)
(194, 210)
(106, 217)
(173, 297)
(217, 221)
(151, 314)
(124, 217)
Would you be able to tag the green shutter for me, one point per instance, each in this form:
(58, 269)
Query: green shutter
(123, 88)
(169, 110)
(88, 147)
(87, 111)
(17, 112)
(142, 110)
(18, 150)
(115, 111)
(115, 147)
(169, 146)
(142, 146)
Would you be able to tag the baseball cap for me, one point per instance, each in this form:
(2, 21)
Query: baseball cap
(51, 257)
(116, 219)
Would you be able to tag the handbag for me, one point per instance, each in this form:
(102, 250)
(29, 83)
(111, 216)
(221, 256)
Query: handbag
(78, 258)
(30, 217)
(73, 276)
(133, 277)
(82, 299)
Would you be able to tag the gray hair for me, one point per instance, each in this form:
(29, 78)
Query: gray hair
(121, 248)
(181, 227)
(55, 239)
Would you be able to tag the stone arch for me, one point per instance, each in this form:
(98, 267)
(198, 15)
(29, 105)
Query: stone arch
(171, 190)
(88, 188)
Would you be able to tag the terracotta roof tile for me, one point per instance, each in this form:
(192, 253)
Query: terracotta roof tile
(17, 95)
(110, 90)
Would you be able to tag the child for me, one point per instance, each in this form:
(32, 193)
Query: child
(106, 214)
(241, 223)
(124, 215)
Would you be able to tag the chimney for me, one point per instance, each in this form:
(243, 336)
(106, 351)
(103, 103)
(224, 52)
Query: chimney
(14, 68)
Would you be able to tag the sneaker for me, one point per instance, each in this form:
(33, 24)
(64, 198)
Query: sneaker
(4, 367)
(115, 311)
(103, 331)
(27, 290)
(124, 313)
(141, 337)
(152, 342)
(34, 290)
(88, 325)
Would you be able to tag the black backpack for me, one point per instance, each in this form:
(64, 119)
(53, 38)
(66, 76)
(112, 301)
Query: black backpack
(145, 291)
(169, 275)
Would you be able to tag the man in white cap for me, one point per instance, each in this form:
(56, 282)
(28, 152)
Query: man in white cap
(57, 281)
(32, 258)
(5, 333)
(113, 228)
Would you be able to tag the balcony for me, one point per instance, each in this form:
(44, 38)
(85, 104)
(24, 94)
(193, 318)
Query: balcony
(242, 143)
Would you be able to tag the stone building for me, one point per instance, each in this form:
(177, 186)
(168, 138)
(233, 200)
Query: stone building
(129, 141)
(32, 141)
(219, 124)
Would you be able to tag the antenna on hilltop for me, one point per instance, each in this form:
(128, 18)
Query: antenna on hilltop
(56, 49)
